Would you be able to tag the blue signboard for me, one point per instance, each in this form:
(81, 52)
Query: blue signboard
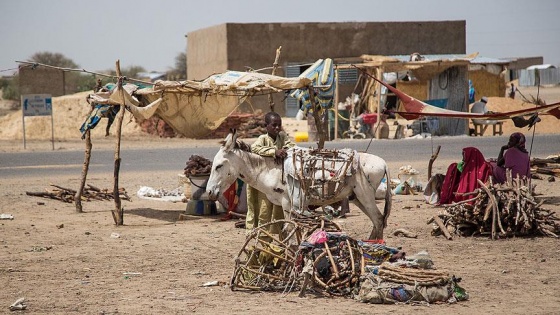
(36, 105)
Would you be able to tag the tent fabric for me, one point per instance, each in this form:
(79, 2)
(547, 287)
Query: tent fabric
(422, 69)
(196, 108)
(414, 109)
(322, 75)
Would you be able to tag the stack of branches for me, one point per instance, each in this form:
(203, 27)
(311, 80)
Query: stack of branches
(68, 195)
(198, 166)
(337, 264)
(412, 276)
(501, 210)
(273, 262)
(548, 166)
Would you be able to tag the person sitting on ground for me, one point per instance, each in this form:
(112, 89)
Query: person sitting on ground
(462, 177)
(272, 144)
(513, 156)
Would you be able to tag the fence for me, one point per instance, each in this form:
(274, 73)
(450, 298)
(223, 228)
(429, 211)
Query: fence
(538, 77)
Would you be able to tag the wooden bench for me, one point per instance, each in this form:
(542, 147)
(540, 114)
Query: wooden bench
(480, 129)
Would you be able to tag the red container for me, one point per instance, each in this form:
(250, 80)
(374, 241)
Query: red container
(369, 119)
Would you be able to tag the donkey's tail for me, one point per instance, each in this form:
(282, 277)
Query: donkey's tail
(388, 197)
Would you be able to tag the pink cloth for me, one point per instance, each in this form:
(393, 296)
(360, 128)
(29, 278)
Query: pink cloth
(517, 161)
(476, 168)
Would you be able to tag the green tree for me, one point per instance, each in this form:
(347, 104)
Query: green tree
(179, 72)
(10, 88)
(129, 72)
(53, 59)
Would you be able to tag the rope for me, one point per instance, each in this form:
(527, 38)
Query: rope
(340, 116)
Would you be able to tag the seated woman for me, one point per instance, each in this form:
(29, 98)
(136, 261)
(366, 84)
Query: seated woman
(512, 156)
(462, 177)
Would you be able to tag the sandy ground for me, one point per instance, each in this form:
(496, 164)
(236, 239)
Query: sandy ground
(81, 269)
(65, 262)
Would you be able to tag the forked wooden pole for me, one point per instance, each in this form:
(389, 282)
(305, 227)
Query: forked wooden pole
(85, 168)
(274, 68)
(118, 212)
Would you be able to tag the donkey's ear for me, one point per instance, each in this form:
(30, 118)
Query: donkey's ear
(229, 143)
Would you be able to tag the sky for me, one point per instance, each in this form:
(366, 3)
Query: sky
(150, 34)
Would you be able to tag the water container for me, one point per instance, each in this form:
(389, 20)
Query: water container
(411, 179)
(201, 207)
(198, 187)
(301, 136)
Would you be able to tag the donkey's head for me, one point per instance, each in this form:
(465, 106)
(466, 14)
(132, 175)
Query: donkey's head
(224, 172)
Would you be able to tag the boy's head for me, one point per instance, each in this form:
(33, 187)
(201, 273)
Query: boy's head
(273, 123)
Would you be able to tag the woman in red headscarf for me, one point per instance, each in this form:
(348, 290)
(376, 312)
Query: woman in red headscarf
(512, 156)
(462, 177)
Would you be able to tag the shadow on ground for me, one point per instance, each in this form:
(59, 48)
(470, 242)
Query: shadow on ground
(163, 215)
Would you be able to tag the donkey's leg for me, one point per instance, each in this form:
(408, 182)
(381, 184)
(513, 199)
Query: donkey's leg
(295, 196)
(366, 202)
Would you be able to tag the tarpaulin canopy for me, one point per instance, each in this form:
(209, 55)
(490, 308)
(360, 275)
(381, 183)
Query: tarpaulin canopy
(423, 69)
(195, 108)
(414, 109)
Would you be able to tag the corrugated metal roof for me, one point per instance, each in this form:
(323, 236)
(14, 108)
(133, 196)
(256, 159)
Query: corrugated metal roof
(432, 57)
(487, 60)
(476, 60)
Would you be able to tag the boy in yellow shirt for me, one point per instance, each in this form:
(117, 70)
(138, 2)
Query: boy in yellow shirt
(272, 144)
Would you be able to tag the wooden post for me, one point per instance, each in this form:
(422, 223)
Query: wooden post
(431, 162)
(85, 168)
(318, 122)
(118, 212)
(379, 88)
(336, 99)
(274, 68)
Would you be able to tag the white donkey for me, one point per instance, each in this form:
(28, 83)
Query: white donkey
(234, 160)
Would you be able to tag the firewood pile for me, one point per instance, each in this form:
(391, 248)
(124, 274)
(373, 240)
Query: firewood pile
(157, 126)
(198, 166)
(499, 210)
(548, 166)
(247, 125)
(90, 193)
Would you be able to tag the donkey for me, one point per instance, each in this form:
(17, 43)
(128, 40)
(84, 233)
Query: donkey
(235, 160)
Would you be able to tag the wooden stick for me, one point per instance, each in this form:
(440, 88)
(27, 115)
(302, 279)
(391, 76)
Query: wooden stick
(432, 159)
(66, 189)
(442, 227)
(274, 68)
(405, 233)
(85, 169)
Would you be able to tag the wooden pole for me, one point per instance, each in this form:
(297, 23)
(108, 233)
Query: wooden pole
(336, 99)
(318, 122)
(85, 168)
(274, 68)
(431, 162)
(379, 89)
(118, 212)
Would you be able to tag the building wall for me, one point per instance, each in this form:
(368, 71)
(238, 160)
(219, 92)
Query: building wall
(523, 63)
(487, 84)
(207, 52)
(254, 44)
